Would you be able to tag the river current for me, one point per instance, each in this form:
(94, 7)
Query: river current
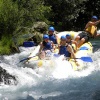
(50, 83)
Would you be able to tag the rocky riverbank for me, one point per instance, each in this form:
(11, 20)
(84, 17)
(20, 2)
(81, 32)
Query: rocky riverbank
(6, 78)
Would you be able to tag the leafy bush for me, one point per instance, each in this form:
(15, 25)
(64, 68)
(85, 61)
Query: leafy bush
(5, 44)
(21, 13)
(15, 14)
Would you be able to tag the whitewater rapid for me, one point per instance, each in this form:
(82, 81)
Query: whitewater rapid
(56, 83)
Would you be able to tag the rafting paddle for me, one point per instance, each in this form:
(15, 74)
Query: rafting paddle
(85, 59)
(25, 59)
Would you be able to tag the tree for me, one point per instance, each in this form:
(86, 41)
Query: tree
(64, 12)
(16, 14)
(21, 13)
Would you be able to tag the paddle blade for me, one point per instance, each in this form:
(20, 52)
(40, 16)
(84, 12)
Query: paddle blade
(24, 59)
(56, 55)
(86, 59)
(83, 48)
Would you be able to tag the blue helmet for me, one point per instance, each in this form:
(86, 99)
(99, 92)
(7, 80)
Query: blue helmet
(68, 35)
(63, 37)
(94, 17)
(45, 37)
(51, 29)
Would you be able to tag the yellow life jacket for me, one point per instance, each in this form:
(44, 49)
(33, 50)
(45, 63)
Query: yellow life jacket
(92, 29)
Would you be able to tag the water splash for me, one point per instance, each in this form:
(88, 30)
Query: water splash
(56, 83)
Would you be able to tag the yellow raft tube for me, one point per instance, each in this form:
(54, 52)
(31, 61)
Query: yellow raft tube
(80, 53)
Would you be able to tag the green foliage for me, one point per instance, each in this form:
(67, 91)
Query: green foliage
(32, 11)
(15, 14)
(5, 44)
(92, 7)
(20, 41)
(72, 14)
(64, 12)
(21, 13)
(8, 16)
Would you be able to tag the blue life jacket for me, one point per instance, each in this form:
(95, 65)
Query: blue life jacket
(63, 51)
(47, 45)
(53, 39)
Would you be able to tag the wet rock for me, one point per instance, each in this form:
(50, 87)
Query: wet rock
(6, 78)
(24, 34)
(14, 49)
(38, 29)
(37, 38)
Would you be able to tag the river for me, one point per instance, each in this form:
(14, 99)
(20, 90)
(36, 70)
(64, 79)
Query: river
(42, 84)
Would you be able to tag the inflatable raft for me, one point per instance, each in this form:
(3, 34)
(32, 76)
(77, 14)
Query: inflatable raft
(82, 55)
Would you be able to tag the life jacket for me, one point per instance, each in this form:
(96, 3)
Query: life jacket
(53, 38)
(92, 29)
(63, 50)
(47, 45)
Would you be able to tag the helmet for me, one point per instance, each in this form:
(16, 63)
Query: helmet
(94, 17)
(51, 29)
(63, 37)
(68, 35)
(45, 37)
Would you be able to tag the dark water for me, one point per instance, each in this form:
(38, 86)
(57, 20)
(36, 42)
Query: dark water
(96, 44)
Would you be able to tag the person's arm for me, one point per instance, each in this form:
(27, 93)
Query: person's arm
(57, 38)
(96, 23)
(58, 49)
(41, 47)
(97, 35)
(92, 23)
(70, 49)
(76, 44)
(53, 46)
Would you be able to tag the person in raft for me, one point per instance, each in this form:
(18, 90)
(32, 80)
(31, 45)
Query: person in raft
(66, 49)
(53, 35)
(90, 31)
(46, 47)
(71, 42)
